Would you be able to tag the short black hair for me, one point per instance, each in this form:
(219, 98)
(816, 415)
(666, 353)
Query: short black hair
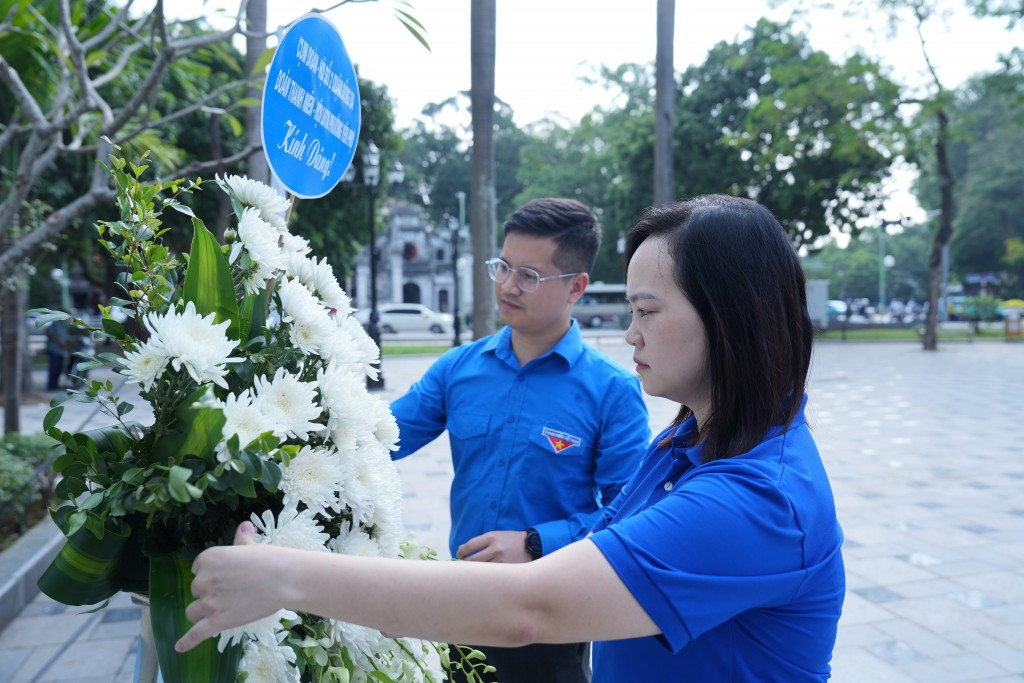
(569, 223)
(735, 264)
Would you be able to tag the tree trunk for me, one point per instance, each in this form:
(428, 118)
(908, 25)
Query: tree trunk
(12, 339)
(483, 209)
(664, 104)
(255, 45)
(930, 342)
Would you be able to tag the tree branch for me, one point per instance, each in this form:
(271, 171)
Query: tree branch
(199, 167)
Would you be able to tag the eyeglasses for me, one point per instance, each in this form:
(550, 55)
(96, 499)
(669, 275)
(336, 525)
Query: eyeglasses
(527, 279)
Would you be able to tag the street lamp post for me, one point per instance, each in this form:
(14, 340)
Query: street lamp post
(881, 261)
(456, 235)
(371, 178)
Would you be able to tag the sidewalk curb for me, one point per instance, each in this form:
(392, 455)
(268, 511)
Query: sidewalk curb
(23, 563)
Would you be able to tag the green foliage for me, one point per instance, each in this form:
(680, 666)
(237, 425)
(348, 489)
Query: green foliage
(774, 119)
(115, 476)
(766, 116)
(437, 155)
(1010, 10)
(986, 145)
(24, 483)
(852, 271)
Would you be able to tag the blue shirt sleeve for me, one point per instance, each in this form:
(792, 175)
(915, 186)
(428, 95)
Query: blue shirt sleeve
(421, 413)
(719, 544)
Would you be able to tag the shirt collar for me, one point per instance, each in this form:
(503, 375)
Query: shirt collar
(680, 449)
(695, 454)
(569, 347)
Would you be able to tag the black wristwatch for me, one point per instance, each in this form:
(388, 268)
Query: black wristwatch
(533, 545)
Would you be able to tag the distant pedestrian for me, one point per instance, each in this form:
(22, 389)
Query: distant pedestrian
(58, 338)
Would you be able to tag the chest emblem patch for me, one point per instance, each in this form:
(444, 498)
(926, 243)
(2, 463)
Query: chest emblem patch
(560, 440)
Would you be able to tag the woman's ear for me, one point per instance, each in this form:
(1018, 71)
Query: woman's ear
(579, 286)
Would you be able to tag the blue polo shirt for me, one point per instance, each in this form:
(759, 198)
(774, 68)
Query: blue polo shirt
(737, 561)
(545, 445)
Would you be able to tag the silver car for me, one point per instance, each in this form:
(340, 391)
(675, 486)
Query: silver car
(407, 318)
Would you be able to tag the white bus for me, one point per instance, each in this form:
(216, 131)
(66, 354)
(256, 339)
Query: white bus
(603, 305)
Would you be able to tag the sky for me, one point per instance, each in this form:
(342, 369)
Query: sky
(544, 46)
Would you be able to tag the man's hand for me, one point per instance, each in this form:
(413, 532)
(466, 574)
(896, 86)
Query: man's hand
(495, 546)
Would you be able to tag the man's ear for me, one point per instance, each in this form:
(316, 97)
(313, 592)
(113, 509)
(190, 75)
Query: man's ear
(579, 285)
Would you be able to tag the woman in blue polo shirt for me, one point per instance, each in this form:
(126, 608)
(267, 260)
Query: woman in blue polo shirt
(719, 561)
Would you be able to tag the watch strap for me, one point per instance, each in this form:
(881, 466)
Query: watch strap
(533, 544)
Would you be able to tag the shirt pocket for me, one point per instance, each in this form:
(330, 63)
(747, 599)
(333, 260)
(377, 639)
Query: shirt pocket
(467, 431)
(468, 425)
(565, 446)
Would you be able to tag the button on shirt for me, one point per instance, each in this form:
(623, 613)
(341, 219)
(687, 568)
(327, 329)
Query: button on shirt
(736, 560)
(545, 445)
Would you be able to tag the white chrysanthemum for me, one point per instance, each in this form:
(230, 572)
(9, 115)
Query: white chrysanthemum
(362, 642)
(357, 488)
(311, 328)
(244, 419)
(300, 267)
(381, 478)
(290, 403)
(345, 437)
(298, 303)
(343, 395)
(313, 477)
(291, 529)
(368, 352)
(265, 630)
(145, 364)
(276, 221)
(260, 242)
(318, 277)
(352, 541)
(385, 427)
(253, 193)
(295, 244)
(268, 663)
(325, 285)
(339, 346)
(194, 342)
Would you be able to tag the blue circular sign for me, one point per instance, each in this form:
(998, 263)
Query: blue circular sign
(310, 108)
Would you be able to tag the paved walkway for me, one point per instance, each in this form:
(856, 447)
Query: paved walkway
(926, 455)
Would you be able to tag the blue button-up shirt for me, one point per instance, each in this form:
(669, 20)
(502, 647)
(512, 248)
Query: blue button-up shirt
(545, 445)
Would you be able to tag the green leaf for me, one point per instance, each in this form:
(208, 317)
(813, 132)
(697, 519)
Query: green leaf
(117, 439)
(52, 418)
(264, 61)
(86, 570)
(208, 282)
(196, 431)
(236, 126)
(48, 316)
(113, 328)
(253, 315)
(170, 592)
(177, 484)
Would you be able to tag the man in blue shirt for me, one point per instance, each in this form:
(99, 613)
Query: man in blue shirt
(544, 430)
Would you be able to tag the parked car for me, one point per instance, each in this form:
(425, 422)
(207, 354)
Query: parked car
(407, 318)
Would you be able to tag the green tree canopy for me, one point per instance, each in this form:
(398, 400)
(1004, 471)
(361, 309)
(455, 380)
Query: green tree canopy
(776, 120)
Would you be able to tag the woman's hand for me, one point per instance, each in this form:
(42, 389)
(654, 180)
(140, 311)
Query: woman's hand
(233, 585)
